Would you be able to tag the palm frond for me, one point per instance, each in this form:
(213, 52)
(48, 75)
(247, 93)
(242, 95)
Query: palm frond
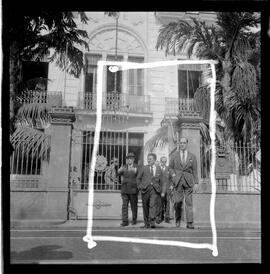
(34, 115)
(83, 17)
(30, 140)
(112, 13)
(158, 140)
(202, 101)
(242, 112)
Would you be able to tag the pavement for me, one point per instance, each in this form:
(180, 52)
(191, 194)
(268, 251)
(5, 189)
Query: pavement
(61, 242)
(115, 223)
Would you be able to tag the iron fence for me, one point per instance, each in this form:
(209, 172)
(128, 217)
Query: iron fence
(112, 149)
(238, 167)
(28, 161)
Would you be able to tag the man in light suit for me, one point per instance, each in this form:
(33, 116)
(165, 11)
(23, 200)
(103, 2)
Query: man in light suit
(183, 169)
(149, 182)
(129, 190)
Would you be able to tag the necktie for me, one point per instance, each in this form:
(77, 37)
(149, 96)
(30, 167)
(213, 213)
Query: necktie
(151, 170)
(183, 156)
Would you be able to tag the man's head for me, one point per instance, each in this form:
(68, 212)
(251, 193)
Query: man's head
(130, 158)
(151, 158)
(163, 161)
(114, 161)
(183, 142)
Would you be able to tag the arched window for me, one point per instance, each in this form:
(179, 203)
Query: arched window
(129, 48)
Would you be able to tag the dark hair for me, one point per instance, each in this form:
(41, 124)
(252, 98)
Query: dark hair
(183, 138)
(152, 154)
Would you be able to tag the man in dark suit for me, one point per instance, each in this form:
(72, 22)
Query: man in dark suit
(149, 182)
(129, 190)
(183, 169)
(165, 195)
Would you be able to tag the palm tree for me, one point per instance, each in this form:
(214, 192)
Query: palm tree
(237, 49)
(32, 37)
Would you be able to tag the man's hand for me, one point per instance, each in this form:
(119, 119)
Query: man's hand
(162, 195)
(196, 187)
(121, 168)
(171, 187)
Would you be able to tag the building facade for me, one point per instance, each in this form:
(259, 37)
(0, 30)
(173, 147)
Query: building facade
(135, 104)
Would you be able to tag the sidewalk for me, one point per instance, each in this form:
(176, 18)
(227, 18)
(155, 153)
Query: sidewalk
(114, 224)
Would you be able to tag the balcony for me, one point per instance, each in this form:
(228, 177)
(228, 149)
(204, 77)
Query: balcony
(52, 99)
(117, 102)
(184, 107)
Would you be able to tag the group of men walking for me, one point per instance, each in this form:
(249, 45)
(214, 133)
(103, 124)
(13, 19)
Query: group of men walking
(160, 186)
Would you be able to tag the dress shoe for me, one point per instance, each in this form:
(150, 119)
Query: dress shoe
(134, 222)
(158, 221)
(177, 223)
(124, 224)
(145, 226)
(190, 225)
(167, 220)
(152, 225)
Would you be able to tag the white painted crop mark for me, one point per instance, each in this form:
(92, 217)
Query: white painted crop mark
(114, 67)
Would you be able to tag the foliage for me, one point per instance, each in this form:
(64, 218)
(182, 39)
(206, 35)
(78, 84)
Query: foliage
(112, 13)
(159, 139)
(32, 37)
(53, 35)
(236, 47)
(31, 140)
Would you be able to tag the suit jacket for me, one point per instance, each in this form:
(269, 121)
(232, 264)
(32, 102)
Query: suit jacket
(129, 183)
(166, 182)
(183, 171)
(145, 179)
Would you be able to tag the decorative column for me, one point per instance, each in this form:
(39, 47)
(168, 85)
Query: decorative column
(59, 165)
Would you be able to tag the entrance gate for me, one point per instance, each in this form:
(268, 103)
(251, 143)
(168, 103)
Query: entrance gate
(113, 147)
(114, 143)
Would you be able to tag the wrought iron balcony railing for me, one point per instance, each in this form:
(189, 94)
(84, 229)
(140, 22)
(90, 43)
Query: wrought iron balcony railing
(53, 99)
(117, 102)
(175, 106)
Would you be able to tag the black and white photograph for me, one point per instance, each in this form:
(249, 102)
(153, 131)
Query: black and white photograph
(172, 174)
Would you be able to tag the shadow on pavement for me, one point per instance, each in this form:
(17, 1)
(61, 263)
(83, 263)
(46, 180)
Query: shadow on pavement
(43, 252)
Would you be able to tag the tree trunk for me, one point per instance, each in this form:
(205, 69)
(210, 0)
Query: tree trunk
(227, 69)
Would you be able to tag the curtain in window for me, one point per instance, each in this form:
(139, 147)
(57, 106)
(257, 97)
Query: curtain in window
(91, 73)
(135, 77)
(188, 82)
